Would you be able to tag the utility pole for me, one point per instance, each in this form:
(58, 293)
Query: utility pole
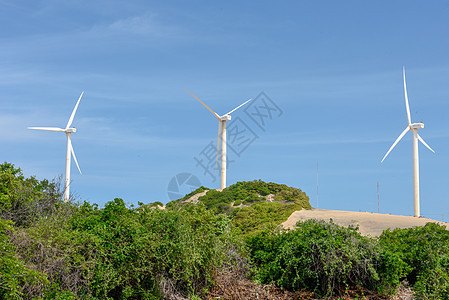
(378, 206)
(316, 184)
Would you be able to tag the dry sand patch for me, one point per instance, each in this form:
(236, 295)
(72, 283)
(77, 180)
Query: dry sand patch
(369, 223)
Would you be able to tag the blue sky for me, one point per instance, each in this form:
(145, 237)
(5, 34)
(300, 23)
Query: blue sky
(334, 69)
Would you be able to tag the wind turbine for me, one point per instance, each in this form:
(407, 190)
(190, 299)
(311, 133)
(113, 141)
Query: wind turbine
(221, 136)
(68, 131)
(414, 128)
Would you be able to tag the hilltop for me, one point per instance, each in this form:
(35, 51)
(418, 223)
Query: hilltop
(252, 205)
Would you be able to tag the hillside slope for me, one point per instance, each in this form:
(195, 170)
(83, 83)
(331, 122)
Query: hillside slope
(252, 205)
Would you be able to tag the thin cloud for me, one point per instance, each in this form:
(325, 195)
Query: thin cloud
(147, 26)
(297, 140)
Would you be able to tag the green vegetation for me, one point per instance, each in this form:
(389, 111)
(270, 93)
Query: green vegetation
(320, 257)
(122, 253)
(257, 213)
(198, 190)
(25, 200)
(262, 215)
(328, 259)
(250, 192)
(55, 250)
(13, 274)
(424, 253)
(116, 252)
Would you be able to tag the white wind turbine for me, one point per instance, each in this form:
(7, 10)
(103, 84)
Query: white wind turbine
(221, 136)
(68, 131)
(414, 128)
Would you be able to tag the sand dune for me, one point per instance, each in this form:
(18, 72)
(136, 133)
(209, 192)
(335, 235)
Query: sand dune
(369, 223)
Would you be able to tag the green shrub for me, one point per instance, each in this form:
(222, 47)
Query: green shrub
(258, 213)
(157, 203)
(122, 253)
(13, 274)
(262, 215)
(197, 191)
(25, 200)
(424, 252)
(319, 257)
(247, 192)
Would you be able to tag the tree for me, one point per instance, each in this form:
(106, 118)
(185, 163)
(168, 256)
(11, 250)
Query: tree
(24, 200)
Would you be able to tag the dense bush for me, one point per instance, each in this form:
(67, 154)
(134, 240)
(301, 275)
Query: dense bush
(319, 257)
(66, 250)
(262, 215)
(246, 192)
(13, 274)
(424, 252)
(25, 200)
(250, 192)
(123, 253)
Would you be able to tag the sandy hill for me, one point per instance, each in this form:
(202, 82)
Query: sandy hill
(369, 223)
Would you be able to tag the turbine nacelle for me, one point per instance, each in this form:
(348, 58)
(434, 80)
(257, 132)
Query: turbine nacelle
(225, 118)
(416, 126)
(70, 130)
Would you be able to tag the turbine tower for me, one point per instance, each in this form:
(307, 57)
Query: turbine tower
(68, 131)
(414, 128)
(221, 137)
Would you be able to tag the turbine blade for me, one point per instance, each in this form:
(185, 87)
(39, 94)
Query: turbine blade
(397, 141)
(47, 129)
(238, 107)
(425, 144)
(215, 114)
(407, 107)
(74, 158)
(74, 111)
(218, 144)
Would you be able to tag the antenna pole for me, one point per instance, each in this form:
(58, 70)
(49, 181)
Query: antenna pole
(316, 184)
(378, 209)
